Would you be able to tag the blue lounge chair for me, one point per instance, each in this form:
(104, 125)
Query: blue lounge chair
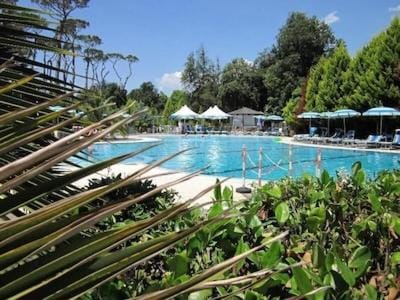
(189, 130)
(373, 141)
(336, 137)
(349, 137)
(396, 139)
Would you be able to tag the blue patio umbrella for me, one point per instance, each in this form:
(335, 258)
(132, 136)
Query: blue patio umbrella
(381, 111)
(344, 114)
(309, 116)
(274, 118)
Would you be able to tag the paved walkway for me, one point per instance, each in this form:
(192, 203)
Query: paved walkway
(186, 189)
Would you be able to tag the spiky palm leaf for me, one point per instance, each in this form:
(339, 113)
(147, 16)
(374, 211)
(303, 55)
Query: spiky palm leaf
(43, 251)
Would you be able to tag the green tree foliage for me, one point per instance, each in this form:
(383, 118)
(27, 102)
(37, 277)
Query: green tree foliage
(291, 108)
(201, 79)
(370, 79)
(300, 44)
(148, 95)
(175, 101)
(373, 77)
(325, 84)
(238, 85)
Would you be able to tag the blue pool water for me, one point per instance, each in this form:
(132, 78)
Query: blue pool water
(223, 155)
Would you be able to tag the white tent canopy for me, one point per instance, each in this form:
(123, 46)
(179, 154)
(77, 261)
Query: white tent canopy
(215, 113)
(184, 113)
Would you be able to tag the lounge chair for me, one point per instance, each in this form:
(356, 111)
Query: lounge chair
(396, 139)
(349, 137)
(375, 142)
(336, 137)
(189, 130)
(372, 141)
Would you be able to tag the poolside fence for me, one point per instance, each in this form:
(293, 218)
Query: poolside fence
(249, 165)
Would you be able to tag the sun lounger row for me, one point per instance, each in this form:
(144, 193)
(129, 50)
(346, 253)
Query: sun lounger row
(373, 140)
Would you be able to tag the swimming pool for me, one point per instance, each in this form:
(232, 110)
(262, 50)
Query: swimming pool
(223, 155)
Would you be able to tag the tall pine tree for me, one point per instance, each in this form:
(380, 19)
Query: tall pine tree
(373, 77)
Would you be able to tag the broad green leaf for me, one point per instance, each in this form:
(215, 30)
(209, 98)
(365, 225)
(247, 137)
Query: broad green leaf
(325, 178)
(360, 258)
(215, 210)
(375, 202)
(370, 292)
(282, 212)
(179, 264)
(272, 256)
(275, 192)
(200, 295)
(303, 283)
(346, 273)
(395, 259)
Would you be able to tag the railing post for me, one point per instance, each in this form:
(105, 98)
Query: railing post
(243, 188)
(318, 164)
(259, 165)
(290, 168)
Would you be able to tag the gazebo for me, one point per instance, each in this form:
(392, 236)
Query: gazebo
(245, 116)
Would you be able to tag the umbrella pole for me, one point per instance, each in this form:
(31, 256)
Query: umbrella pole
(380, 132)
(328, 128)
(344, 126)
(309, 127)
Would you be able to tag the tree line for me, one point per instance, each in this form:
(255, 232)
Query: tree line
(371, 78)
(307, 69)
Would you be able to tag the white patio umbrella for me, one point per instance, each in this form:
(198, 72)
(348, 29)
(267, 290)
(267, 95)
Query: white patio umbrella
(309, 116)
(219, 114)
(184, 113)
(344, 114)
(214, 113)
(381, 112)
(207, 114)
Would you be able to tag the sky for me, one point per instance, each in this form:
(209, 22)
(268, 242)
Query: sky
(161, 33)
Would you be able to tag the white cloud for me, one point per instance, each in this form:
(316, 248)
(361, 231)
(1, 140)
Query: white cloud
(395, 9)
(331, 18)
(170, 81)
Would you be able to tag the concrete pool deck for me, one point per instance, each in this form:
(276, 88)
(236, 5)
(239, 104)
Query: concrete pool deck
(186, 189)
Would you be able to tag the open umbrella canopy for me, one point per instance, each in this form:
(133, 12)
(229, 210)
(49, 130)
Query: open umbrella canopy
(344, 114)
(207, 114)
(274, 118)
(214, 113)
(309, 115)
(327, 115)
(184, 113)
(219, 114)
(381, 111)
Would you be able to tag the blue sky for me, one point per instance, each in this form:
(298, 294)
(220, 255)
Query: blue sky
(163, 32)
